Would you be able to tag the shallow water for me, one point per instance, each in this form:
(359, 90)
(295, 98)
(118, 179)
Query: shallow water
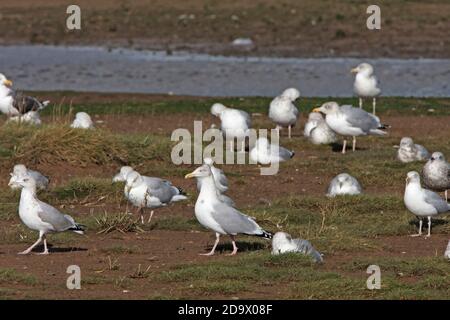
(40, 67)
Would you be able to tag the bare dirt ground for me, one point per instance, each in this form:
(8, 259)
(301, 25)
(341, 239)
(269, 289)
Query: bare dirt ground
(277, 28)
(108, 274)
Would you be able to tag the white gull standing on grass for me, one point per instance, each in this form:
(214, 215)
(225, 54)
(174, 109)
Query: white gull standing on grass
(219, 217)
(220, 181)
(282, 110)
(148, 192)
(82, 121)
(436, 173)
(409, 151)
(422, 202)
(282, 242)
(318, 131)
(351, 122)
(40, 216)
(13, 103)
(20, 171)
(234, 123)
(366, 84)
(344, 184)
(265, 153)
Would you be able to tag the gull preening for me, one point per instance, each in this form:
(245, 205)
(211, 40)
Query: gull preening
(20, 171)
(344, 184)
(436, 173)
(366, 84)
(348, 121)
(265, 152)
(318, 131)
(82, 121)
(220, 181)
(422, 202)
(147, 192)
(282, 110)
(234, 123)
(282, 242)
(218, 216)
(16, 104)
(40, 216)
(410, 152)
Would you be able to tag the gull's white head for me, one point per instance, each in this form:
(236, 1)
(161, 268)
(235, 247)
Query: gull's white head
(133, 180)
(208, 161)
(201, 172)
(291, 93)
(315, 116)
(406, 142)
(24, 181)
(328, 108)
(19, 171)
(344, 179)
(5, 81)
(412, 177)
(217, 109)
(437, 157)
(122, 175)
(363, 68)
(279, 242)
(83, 116)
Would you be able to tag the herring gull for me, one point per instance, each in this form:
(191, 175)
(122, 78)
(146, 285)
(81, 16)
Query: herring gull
(218, 216)
(282, 242)
(422, 202)
(436, 173)
(234, 123)
(366, 84)
(265, 153)
(150, 192)
(318, 131)
(409, 151)
(344, 184)
(349, 121)
(82, 121)
(40, 216)
(282, 110)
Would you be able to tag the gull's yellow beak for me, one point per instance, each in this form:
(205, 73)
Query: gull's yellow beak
(189, 175)
(8, 83)
(354, 70)
(316, 110)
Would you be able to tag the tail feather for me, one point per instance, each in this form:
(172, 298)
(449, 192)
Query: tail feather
(265, 234)
(44, 104)
(181, 191)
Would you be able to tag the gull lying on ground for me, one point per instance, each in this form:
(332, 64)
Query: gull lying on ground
(344, 184)
(348, 121)
(83, 121)
(31, 117)
(317, 130)
(265, 153)
(220, 181)
(422, 202)
(366, 84)
(148, 192)
(234, 123)
(282, 242)
(218, 216)
(436, 173)
(20, 171)
(409, 152)
(16, 104)
(40, 216)
(282, 110)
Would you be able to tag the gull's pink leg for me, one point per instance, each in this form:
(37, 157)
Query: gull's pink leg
(34, 244)
(354, 144)
(344, 146)
(45, 245)
(235, 248)
(214, 247)
(420, 230)
(289, 131)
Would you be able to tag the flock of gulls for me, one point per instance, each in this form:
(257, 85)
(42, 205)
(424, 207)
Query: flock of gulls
(214, 209)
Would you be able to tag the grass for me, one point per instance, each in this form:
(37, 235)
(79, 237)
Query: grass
(342, 225)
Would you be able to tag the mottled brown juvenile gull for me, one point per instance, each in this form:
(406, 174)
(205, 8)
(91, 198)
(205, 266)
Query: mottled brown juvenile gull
(436, 173)
(409, 151)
